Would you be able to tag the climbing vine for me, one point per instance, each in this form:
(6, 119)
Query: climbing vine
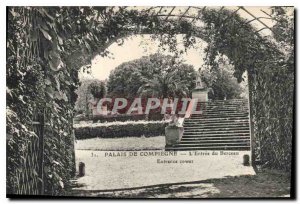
(46, 46)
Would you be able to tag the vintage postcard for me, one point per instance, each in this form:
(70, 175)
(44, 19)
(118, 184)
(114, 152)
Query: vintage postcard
(150, 102)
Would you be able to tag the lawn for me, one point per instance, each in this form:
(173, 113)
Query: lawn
(121, 144)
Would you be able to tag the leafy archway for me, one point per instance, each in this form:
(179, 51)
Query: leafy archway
(47, 46)
(267, 62)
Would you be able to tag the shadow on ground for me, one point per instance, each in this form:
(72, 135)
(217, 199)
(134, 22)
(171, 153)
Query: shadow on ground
(264, 184)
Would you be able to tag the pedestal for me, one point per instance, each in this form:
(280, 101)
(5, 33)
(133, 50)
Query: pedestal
(200, 94)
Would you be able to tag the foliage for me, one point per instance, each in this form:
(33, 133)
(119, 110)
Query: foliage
(157, 75)
(40, 89)
(118, 130)
(87, 89)
(46, 46)
(274, 88)
(221, 80)
(284, 27)
(97, 89)
(270, 68)
(271, 81)
(121, 117)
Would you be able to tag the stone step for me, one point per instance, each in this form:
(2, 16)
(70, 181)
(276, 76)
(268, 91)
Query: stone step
(236, 148)
(201, 129)
(200, 139)
(223, 102)
(221, 108)
(220, 112)
(221, 118)
(214, 144)
(240, 126)
(197, 140)
(234, 99)
(221, 105)
(188, 132)
(217, 129)
(199, 133)
(216, 134)
(213, 126)
(222, 127)
(218, 109)
(218, 115)
(237, 110)
(213, 123)
(218, 124)
(214, 141)
(208, 115)
(217, 120)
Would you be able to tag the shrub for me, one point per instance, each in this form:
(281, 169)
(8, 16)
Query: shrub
(120, 129)
(121, 117)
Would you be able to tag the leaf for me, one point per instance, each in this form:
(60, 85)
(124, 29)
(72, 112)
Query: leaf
(57, 82)
(54, 65)
(60, 40)
(55, 162)
(47, 81)
(64, 96)
(49, 91)
(57, 95)
(34, 172)
(61, 184)
(55, 62)
(88, 46)
(14, 13)
(46, 34)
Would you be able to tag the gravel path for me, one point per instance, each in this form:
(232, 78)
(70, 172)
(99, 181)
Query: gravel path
(107, 170)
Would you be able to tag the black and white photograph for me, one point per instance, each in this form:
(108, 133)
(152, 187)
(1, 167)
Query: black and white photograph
(150, 102)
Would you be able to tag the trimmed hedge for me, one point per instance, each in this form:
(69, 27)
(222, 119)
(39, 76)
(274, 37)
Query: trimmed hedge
(121, 117)
(120, 130)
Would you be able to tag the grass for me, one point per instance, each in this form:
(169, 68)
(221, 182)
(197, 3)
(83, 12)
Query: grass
(121, 144)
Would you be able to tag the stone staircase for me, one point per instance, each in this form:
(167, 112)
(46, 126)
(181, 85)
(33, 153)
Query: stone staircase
(223, 125)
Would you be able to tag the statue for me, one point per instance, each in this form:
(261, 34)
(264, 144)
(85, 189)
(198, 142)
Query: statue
(200, 92)
(199, 84)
